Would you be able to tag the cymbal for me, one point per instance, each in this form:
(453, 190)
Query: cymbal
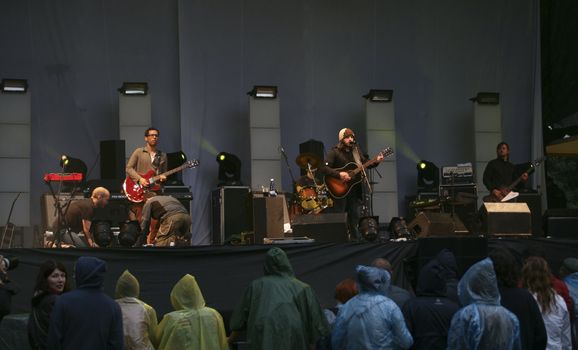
(304, 158)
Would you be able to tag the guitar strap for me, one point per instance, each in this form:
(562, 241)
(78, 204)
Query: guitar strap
(356, 156)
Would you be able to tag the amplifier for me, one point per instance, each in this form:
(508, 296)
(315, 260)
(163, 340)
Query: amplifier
(506, 219)
(328, 227)
(232, 212)
(49, 212)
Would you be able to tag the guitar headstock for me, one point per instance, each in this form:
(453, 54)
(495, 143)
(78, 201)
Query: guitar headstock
(386, 152)
(193, 163)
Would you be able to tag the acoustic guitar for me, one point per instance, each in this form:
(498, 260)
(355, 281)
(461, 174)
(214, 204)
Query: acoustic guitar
(135, 192)
(339, 188)
(507, 193)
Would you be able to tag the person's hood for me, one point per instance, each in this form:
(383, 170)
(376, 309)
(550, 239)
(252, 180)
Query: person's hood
(372, 279)
(479, 285)
(89, 272)
(431, 280)
(448, 262)
(277, 263)
(127, 286)
(186, 294)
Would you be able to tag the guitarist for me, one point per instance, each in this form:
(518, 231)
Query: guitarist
(501, 173)
(144, 159)
(347, 151)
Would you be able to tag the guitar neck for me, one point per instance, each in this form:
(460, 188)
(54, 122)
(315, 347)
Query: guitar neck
(363, 166)
(169, 173)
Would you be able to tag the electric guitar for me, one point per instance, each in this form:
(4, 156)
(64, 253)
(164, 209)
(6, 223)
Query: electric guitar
(135, 191)
(506, 193)
(339, 188)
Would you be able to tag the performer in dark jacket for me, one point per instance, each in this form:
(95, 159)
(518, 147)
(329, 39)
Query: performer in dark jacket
(500, 173)
(52, 281)
(86, 318)
(345, 152)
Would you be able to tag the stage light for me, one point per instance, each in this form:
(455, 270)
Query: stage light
(486, 98)
(102, 233)
(369, 227)
(379, 95)
(73, 165)
(263, 91)
(428, 176)
(229, 169)
(14, 85)
(134, 89)
(129, 234)
(63, 160)
(174, 160)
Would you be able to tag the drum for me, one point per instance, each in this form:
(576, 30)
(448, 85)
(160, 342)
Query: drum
(308, 198)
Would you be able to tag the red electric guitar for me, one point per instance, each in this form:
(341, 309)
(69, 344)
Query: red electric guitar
(339, 188)
(135, 192)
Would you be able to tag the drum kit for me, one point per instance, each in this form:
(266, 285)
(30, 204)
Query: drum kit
(312, 195)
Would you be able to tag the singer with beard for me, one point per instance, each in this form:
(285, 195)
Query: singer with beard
(347, 151)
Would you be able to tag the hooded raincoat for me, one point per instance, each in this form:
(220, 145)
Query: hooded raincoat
(482, 323)
(370, 320)
(279, 311)
(139, 320)
(86, 318)
(192, 325)
(428, 316)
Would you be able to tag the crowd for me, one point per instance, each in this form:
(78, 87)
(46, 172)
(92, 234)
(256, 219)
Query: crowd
(498, 303)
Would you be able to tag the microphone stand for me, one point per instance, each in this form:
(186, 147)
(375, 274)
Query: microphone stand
(8, 224)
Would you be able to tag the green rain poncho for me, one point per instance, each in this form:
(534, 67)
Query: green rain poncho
(279, 311)
(139, 320)
(192, 325)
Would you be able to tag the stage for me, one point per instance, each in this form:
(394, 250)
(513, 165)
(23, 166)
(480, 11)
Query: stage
(223, 272)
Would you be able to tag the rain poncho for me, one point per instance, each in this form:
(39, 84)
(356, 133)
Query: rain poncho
(572, 283)
(482, 323)
(139, 320)
(370, 320)
(193, 325)
(428, 316)
(86, 318)
(447, 260)
(279, 311)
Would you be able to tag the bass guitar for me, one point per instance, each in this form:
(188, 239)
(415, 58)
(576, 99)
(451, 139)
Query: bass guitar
(339, 188)
(507, 193)
(135, 191)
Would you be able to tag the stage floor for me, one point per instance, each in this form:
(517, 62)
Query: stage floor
(223, 272)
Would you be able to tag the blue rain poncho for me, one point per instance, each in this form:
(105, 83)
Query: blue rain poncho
(482, 323)
(370, 320)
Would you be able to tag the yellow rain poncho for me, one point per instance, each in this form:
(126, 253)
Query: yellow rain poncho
(278, 311)
(192, 325)
(139, 320)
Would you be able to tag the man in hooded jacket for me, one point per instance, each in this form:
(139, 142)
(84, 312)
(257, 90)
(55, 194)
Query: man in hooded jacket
(428, 316)
(139, 319)
(192, 325)
(482, 323)
(86, 318)
(277, 310)
(370, 320)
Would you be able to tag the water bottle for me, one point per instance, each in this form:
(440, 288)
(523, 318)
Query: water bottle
(272, 191)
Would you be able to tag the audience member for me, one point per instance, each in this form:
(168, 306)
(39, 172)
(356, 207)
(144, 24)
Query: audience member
(86, 318)
(482, 323)
(447, 260)
(399, 295)
(344, 291)
(51, 281)
(569, 273)
(277, 310)
(428, 316)
(370, 320)
(518, 300)
(139, 320)
(192, 325)
(536, 276)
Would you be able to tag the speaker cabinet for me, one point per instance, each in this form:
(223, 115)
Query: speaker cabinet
(232, 212)
(112, 159)
(506, 219)
(561, 223)
(268, 218)
(428, 224)
(327, 227)
(49, 212)
(534, 201)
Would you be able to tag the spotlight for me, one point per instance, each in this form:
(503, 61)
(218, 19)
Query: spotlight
(379, 95)
(428, 176)
(229, 169)
(102, 233)
(134, 89)
(73, 165)
(14, 85)
(398, 229)
(174, 160)
(487, 98)
(369, 227)
(263, 92)
(63, 160)
(129, 234)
